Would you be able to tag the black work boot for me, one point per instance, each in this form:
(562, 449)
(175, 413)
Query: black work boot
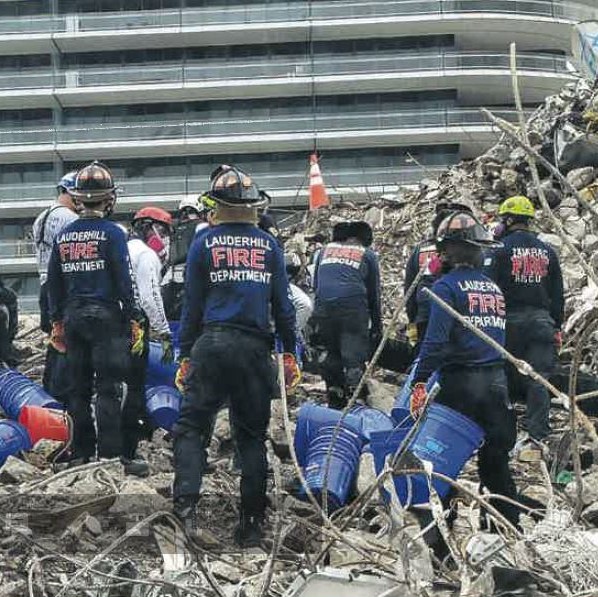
(136, 466)
(185, 509)
(249, 532)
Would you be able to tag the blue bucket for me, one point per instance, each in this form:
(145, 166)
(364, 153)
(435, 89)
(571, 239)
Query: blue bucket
(163, 404)
(372, 419)
(13, 439)
(159, 374)
(309, 421)
(342, 470)
(16, 391)
(402, 399)
(445, 437)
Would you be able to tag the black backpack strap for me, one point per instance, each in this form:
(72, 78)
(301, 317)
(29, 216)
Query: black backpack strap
(41, 239)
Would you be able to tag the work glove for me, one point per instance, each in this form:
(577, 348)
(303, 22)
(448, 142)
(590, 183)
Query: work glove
(137, 337)
(57, 339)
(418, 399)
(182, 374)
(167, 349)
(558, 340)
(292, 373)
(412, 334)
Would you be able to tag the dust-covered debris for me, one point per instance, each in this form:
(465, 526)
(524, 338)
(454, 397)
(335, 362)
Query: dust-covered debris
(91, 531)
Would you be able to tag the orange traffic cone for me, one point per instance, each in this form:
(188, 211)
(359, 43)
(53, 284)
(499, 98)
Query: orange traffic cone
(317, 190)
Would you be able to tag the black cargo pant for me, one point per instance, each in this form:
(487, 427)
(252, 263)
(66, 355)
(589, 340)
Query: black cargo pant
(233, 365)
(530, 336)
(481, 394)
(344, 333)
(135, 423)
(98, 346)
(5, 340)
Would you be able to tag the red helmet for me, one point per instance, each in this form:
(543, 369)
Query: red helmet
(156, 214)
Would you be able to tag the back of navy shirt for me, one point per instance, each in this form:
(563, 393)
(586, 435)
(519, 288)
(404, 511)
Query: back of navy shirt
(529, 274)
(349, 274)
(447, 342)
(90, 260)
(235, 276)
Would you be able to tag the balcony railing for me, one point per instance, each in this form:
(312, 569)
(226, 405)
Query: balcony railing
(184, 130)
(175, 186)
(17, 248)
(276, 13)
(294, 68)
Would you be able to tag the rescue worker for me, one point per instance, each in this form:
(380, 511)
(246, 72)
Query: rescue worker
(425, 254)
(529, 274)
(45, 229)
(9, 323)
(235, 280)
(148, 251)
(91, 306)
(303, 304)
(472, 376)
(192, 217)
(347, 315)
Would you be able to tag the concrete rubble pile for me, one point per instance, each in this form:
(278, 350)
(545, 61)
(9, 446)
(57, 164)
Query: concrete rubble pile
(91, 531)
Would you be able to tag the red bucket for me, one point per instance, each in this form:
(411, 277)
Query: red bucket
(44, 423)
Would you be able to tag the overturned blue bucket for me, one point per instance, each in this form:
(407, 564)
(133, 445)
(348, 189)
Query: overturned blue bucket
(342, 468)
(158, 373)
(13, 439)
(309, 421)
(372, 419)
(163, 405)
(445, 437)
(16, 391)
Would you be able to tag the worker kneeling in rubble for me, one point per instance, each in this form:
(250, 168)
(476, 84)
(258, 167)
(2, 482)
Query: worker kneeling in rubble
(472, 377)
(529, 274)
(347, 316)
(235, 278)
(90, 294)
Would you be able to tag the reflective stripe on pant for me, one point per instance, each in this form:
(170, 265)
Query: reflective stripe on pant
(235, 367)
(97, 354)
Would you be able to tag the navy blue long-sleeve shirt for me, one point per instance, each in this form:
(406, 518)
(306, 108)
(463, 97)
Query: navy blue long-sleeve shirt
(90, 260)
(349, 275)
(528, 272)
(447, 342)
(235, 276)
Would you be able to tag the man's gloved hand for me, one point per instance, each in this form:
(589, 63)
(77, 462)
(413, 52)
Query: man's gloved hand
(182, 373)
(558, 340)
(292, 373)
(137, 337)
(167, 349)
(57, 339)
(418, 399)
(412, 334)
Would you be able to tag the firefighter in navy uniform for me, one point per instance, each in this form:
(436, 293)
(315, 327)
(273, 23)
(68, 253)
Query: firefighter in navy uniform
(235, 279)
(425, 254)
(347, 314)
(91, 305)
(472, 376)
(529, 274)
(9, 323)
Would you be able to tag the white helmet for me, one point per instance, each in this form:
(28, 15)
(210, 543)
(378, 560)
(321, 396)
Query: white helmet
(190, 203)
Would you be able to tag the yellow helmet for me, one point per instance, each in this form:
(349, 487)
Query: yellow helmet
(207, 202)
(519, 205)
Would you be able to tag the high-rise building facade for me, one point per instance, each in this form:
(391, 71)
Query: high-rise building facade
(164, 90)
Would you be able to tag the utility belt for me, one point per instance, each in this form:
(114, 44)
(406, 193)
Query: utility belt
(267, 337)
(459, 367)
